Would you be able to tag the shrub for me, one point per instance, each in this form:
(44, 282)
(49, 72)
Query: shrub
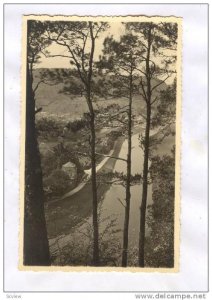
(77, 125)
(79, 248)
(49, 163)
(160, 243)
(48, 128)
(57, 183)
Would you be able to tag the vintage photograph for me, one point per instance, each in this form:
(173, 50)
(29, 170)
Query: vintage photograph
(100, 159)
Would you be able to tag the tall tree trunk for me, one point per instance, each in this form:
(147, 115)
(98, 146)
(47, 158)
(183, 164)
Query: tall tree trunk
(146, 153)
(128, 182)
(93, 153)
(145, 189)
(94, 191)
(36, 248)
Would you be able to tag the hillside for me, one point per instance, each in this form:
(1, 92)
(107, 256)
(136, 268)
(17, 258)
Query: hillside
(53, 102)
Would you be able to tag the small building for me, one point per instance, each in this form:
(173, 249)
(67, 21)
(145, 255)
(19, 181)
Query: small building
(70, 169)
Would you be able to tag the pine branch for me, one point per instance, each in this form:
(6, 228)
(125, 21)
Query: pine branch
(44, 82)
(72, 57)
(83, 53)
(117, 158)
(144, 73)
(156, 98)
(55, 55)
(121, 202)
(157, 85)
(142, 86)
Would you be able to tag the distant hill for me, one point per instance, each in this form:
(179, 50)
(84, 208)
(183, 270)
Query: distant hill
(53, 102)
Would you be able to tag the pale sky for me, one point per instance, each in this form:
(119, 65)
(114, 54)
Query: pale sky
(116, 29)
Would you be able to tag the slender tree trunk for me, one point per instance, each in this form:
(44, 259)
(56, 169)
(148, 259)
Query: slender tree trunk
(128, 183)
(93, 153)
(145, 189)
(94, 191)
(36, 248)
(146, 153)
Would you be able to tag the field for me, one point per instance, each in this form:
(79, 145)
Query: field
(64, 106)
(73, 107)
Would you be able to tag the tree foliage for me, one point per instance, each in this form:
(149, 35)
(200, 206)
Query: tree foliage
(79, 41)
(57, 182)
(160, 243)
(140, 62)
(154, 40)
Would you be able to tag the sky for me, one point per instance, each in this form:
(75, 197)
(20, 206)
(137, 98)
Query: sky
(116, 29)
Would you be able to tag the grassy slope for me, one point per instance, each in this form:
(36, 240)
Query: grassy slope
(72, 107)
(53, 102)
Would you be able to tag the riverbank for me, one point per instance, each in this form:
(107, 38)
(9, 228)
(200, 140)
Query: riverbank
(99, 167)
(74, 215)
(114, 152)
(63, 215)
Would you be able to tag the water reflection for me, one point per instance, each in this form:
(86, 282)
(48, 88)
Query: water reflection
(111, 205)
(73, 214)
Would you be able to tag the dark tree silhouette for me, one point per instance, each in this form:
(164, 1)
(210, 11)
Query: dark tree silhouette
(36, 248)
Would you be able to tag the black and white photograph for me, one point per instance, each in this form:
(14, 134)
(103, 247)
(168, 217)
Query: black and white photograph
(105, 150)
(101, 97)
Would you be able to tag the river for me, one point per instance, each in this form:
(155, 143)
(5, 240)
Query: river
(74, 213)
(111, 205)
